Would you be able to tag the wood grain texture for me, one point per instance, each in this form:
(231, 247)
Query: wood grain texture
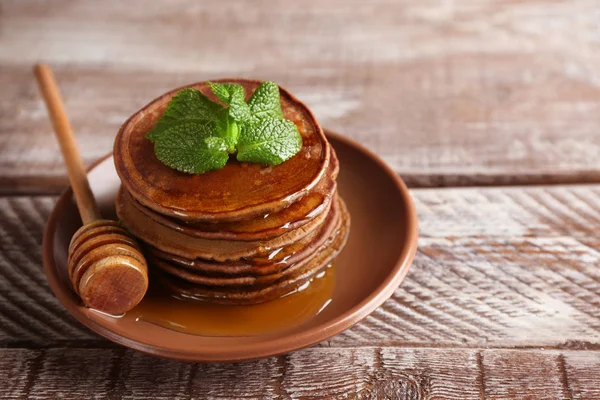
(449, 93)
(29, 313)
(317, 373)
(496, 267)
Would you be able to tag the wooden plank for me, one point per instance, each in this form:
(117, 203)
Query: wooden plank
(316, 373)
(493, 292)
(450, 94)
(579, 368)
(29, 313)
(509, 375)
(496, 267)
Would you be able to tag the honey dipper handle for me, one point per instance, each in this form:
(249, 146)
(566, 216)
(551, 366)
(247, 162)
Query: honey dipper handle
(88, 209)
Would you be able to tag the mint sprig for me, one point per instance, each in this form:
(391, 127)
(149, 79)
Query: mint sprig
(196, 135)
(190, 146)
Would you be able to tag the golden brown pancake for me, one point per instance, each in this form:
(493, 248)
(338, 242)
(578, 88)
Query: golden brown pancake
(195, 271)
(261, 293)
(264, 227)
(239, 191)
(177, 243)
(238, 280)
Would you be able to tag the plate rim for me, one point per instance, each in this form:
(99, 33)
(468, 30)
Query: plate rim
(259, 349)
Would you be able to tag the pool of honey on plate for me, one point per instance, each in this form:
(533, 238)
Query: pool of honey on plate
(203, 318)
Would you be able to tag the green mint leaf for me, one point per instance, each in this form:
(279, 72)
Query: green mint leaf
(272, 141)
(191, 147)
(187, 104)
(225, 91)
(234, 95)
(239, 111)
(221, 90)
(265, 102)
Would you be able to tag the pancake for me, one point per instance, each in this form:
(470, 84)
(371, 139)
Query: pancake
(238, 191)
(196, 271)
(264, 227)
(239, 280)
(177, 243)
(260, 294)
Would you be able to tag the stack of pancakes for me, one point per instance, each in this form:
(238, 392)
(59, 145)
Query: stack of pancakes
(243, 234)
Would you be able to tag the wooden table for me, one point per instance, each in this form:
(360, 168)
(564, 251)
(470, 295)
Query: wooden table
(490, 110)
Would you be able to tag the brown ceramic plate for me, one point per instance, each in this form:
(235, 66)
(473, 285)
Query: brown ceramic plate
(380, 249)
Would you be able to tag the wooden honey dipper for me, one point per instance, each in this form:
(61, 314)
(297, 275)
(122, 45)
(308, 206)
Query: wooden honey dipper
(106, 266)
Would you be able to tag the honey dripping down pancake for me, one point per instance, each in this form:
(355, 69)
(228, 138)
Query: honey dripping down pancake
(183, 245)
(244, 234)
(255, 294)
(261, 265)
(264, 227)
(267, 273)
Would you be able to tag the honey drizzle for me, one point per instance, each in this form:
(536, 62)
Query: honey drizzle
(203, 318)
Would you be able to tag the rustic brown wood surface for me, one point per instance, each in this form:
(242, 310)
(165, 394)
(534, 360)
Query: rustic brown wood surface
(316, 373)
(449, 93)
(503, 299)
